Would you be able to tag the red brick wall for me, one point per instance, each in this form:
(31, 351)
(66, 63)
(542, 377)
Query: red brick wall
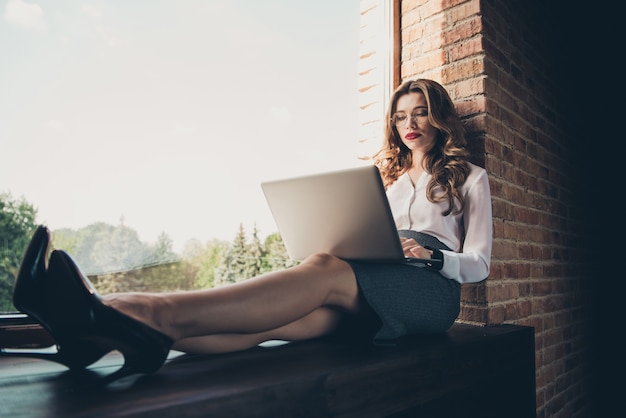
(499, 60)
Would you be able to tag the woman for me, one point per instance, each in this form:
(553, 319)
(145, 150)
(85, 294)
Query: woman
(442, 207)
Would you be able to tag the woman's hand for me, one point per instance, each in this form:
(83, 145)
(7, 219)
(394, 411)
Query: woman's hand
(412, 249)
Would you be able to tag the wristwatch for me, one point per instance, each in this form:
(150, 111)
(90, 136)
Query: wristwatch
(436, 259)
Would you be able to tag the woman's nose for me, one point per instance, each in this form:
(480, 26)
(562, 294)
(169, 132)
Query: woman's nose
(411, 122)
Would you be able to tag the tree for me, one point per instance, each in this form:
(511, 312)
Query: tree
(82, 244)
(121, 250)
(17, 225)
(116, 260)
(255, 255)
(234, 268)
(276, 256)
(209, 263)
(164, 249)
(66, 239)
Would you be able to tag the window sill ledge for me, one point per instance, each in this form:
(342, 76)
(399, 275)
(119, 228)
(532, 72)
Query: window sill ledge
(469, 371)
(21, 331)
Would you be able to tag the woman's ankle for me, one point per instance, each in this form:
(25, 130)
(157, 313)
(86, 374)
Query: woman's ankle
(147, 308)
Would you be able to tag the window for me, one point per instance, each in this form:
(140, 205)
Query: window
(379, 68)
(139, 132)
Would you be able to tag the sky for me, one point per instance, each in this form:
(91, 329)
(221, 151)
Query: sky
(167, 115)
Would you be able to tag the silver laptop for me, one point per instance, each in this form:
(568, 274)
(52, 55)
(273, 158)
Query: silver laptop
(344, 213)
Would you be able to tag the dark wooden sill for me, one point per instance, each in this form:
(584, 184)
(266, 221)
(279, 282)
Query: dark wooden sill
(470, 371)
(20, 331)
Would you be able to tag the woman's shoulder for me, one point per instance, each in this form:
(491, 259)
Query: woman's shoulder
(475, 168)
(476, 174)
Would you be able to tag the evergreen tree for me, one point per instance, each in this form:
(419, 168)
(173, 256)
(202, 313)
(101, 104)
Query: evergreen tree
(276, 257)
(255, 255)
(238, 268)
(234, 267)
(163, 249)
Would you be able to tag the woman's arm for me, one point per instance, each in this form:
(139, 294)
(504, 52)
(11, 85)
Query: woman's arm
(472, 263)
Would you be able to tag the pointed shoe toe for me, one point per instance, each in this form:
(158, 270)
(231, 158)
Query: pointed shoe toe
(29, 297)
(29, 288)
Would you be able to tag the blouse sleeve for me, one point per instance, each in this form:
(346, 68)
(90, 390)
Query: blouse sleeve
(471, 264)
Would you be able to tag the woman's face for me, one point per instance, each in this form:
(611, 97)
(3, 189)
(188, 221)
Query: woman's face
(411, 122)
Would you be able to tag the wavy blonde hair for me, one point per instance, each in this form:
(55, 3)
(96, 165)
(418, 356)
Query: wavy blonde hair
(447, 161)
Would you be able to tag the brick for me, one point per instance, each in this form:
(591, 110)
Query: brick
(492, 56)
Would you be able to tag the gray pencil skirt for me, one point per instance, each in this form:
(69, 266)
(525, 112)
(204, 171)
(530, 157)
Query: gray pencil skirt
(406, 299)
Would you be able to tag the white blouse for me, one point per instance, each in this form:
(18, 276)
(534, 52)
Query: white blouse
(468, 234)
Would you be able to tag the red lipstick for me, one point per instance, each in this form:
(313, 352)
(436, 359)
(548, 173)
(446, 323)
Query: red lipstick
(410, 135)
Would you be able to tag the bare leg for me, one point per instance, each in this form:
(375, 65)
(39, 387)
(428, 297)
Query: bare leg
(256, 305)
(316, 324)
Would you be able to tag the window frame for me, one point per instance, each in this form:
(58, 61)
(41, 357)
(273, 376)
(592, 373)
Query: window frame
(19, 330)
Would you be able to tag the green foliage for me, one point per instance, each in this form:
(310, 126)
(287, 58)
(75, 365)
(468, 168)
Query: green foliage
(66, 239)
(172, 276)
(255, 254)
(120, 250)
(243, 260)
(17, 224)
(276, 256)
(163, 249)
(116, 260)
(236, 265)
(209, 263)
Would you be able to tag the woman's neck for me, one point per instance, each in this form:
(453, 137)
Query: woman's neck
(416, 170)
(417, 167)
(417, 160)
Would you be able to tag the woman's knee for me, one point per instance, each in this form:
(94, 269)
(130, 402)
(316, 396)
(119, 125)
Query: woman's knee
(323, 260)
(341, 280)
(330, 267)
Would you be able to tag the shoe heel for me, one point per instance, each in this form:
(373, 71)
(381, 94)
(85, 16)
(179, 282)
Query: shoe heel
(80, 315)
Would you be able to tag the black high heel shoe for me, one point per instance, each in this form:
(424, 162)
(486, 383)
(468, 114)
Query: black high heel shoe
(29, 295)
(29, 290)
(79, 315)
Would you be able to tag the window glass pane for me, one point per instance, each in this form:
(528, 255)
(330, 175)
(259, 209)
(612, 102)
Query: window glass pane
(139, 132)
